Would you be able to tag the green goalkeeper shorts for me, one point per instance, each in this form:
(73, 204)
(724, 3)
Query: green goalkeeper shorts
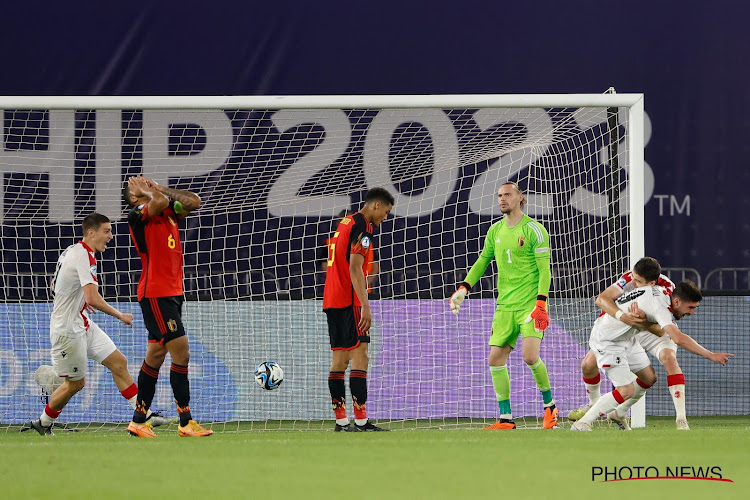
(507, 325)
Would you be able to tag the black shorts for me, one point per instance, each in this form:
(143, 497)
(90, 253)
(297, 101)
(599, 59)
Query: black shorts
(342, 328)
(163, 318)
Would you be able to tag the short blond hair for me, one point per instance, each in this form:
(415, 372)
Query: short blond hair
(515, 186)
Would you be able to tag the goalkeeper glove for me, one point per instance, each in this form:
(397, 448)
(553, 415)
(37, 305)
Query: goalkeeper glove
(458, 297)
(539, 314)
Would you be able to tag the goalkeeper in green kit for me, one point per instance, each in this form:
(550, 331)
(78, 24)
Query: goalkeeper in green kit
(520, 246)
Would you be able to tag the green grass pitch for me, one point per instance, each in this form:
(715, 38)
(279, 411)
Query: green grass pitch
(404, 464)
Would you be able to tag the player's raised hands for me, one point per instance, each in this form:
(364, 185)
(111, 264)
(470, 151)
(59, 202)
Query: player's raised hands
(138, 186)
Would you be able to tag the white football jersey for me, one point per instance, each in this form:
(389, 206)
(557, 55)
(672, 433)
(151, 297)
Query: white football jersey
(654, 301)
(76, 268)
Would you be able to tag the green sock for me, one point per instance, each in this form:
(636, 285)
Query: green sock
(501, 384)
(539, 371)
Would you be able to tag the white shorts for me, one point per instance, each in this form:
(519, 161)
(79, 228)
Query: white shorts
(69, 353)
(655, 345)
(620, 360)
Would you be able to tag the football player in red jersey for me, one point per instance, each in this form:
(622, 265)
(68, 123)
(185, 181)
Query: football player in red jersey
(153, 222)
(347, 307)
(371, 266)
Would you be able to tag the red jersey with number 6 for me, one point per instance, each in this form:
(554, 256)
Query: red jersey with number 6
(353, 236)
(157, 240)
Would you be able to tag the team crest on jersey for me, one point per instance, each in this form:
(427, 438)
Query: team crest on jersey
(172, 325)
(521, 241)
(365, 242)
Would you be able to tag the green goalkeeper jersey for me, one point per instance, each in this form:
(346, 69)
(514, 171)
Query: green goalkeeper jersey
(522, 254)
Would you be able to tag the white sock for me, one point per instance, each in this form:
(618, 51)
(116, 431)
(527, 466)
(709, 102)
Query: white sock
(593, 390)
(360, 421)
(604, 404)
(46, 419)
(678, 398)
(342, 421)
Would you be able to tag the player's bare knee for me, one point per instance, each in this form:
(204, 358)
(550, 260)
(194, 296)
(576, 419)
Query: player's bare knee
(649, 379)
(668, 359)
(647, 376)
(74, 386)
(180, 353)
(589, 369)
(626, 391)
(116, 362)
(530, 358)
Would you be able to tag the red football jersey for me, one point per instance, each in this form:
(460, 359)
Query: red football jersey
(157, 240)
(353, 236)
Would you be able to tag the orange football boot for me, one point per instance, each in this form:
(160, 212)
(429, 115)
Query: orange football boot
(550, 418)
(193, 429)
(502, 424)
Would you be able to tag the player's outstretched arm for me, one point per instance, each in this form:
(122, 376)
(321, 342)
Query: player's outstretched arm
(94, 299)
(474, 274)
(687, 342)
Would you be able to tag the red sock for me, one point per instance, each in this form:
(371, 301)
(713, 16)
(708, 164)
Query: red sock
(53, 414)
(130, 391)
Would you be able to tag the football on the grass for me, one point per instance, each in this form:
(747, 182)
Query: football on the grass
(269, 375)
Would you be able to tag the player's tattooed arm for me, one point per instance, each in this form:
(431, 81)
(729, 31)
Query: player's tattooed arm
(188, 200)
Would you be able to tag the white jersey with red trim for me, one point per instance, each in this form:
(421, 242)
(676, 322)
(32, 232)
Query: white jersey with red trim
(654, 301)
(76, 268)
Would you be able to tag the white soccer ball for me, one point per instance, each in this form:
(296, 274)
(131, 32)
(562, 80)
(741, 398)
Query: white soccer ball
(47, 379)
(269, 375)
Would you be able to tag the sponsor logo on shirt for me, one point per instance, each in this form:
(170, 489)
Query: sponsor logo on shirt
(630, 296)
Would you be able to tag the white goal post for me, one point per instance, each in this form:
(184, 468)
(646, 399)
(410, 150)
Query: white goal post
(273, 173)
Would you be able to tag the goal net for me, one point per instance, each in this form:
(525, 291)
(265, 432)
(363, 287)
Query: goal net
(274, 173)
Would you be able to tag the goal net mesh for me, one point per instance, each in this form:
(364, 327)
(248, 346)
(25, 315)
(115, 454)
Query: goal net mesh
(273, 183)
